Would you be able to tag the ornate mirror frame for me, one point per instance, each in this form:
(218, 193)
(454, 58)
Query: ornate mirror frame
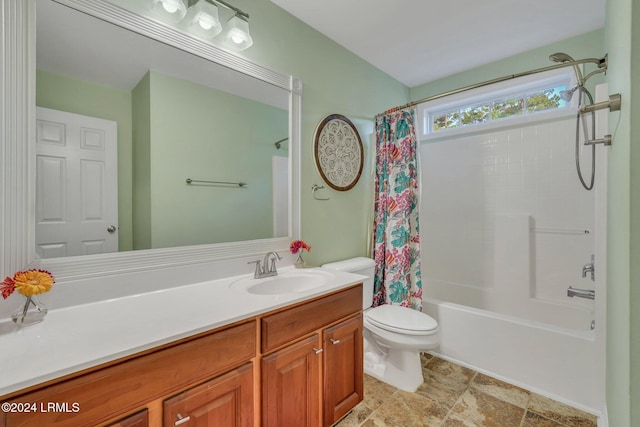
(338, 152)
(17, 148)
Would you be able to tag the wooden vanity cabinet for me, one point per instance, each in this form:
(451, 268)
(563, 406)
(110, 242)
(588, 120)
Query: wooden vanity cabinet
(104, 395)
(302, 366)
(318, 378)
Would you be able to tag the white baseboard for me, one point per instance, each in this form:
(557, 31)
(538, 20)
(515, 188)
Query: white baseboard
(603, 420)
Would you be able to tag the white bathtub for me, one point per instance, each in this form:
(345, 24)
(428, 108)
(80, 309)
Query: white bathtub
(553, 361)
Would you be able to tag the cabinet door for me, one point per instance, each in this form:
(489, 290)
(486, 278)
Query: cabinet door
(343, 368)
(291, 385)
(139, 419)
(224, 401)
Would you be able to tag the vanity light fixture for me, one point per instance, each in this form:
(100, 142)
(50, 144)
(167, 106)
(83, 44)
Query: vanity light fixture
(238, 32)
(170, 10)
(204, 21)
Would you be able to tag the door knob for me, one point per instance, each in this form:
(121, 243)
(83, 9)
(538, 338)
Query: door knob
(111, 229)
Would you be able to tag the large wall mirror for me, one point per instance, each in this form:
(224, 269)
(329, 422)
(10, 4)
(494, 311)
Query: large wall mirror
(150, 147)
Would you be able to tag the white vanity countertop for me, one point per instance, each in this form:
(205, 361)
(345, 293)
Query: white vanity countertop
(75, 338)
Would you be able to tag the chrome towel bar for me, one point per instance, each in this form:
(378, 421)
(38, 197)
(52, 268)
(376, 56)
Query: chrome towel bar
(238, 184)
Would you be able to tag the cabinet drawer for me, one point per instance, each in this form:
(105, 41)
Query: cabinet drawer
(285, 326)
(102, 395)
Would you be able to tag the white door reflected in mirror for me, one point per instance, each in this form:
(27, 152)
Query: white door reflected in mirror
(77, 184)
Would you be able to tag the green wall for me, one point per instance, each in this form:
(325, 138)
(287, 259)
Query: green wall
(623, 294)
(141, 115)
(73, 96)
(634, 300)
(205, 134)
(335, 81)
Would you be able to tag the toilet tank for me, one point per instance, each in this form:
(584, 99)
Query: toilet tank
(358, 265)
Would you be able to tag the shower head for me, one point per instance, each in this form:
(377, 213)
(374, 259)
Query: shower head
(564, 58)
(566, 95)
(560, 57)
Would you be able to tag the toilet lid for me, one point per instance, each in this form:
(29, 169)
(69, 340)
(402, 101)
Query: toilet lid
(402, 319)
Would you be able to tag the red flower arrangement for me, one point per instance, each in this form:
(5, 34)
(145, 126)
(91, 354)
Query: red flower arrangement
(299, 245)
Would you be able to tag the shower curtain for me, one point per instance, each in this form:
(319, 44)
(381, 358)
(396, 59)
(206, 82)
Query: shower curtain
(397, 243)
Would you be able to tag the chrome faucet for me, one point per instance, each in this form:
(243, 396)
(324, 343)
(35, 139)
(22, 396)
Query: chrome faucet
(267, 269)
(270, 269)
(589, 268)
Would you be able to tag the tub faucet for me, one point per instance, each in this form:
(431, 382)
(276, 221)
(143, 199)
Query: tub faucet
(589, 268)
(581, 293)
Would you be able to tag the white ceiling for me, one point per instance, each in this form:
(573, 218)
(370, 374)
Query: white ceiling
(417, 41)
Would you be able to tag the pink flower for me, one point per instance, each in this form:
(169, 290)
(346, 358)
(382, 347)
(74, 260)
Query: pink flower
(298, 245)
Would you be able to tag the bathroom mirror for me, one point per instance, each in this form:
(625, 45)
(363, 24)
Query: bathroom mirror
(190, 66)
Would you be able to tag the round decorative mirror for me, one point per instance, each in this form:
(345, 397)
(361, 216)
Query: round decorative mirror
(338, 152)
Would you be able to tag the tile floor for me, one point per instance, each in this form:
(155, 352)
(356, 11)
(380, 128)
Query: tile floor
(453, 396)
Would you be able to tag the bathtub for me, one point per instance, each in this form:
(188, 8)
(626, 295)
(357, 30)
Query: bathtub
(553, 361)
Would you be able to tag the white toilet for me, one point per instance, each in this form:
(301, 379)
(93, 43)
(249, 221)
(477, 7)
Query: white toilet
(394, 336)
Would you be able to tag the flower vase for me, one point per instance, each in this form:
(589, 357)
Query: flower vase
(29, 313)
(299, 261)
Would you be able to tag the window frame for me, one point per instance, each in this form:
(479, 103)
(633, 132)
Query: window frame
(520, 86)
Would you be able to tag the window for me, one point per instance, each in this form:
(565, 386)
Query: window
(490, 105)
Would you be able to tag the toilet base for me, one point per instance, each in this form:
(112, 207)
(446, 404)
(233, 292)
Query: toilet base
(399, 368)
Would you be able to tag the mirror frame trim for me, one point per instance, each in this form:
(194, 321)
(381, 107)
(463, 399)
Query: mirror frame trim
(17, 148)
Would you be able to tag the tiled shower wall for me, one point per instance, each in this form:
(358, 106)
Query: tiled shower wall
(503, 211)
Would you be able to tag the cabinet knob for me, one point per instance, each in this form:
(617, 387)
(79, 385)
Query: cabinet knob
(317, 350)
(181, 420)
(334, 342)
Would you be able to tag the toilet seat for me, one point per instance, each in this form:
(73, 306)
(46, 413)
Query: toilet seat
(402, 320)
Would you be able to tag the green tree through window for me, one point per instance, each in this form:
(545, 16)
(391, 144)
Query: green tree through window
(517, 105)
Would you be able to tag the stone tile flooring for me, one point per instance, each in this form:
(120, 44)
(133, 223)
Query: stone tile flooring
(455, 396)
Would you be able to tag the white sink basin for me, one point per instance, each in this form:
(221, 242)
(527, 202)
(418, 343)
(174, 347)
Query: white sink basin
(285, 283)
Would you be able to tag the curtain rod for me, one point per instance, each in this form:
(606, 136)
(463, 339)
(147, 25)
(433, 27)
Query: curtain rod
(498, 80)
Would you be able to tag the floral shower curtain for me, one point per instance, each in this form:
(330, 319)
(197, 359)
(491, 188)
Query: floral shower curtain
(397, 243)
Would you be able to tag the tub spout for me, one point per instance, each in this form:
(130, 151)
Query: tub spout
(581, 293)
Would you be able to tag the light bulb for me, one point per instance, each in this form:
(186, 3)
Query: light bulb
(237, 38)
(205, 23)
(169, 10)
(169, 7)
